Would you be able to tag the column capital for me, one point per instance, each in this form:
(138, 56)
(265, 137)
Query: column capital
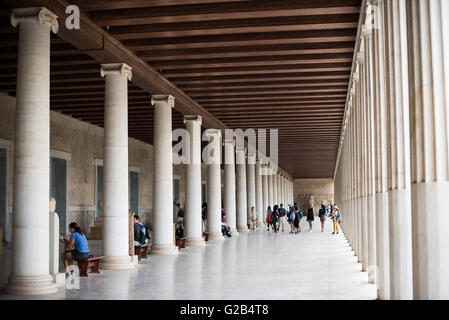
(193, 118)
(360, 57)
(213, 133)
(163, 98)
(116, 68)
(40, 15)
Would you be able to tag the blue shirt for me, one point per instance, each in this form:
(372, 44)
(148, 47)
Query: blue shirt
(80, 242)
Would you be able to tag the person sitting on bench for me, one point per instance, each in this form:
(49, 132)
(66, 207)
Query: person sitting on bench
(78, 241)
(140, 237)
(179, 230)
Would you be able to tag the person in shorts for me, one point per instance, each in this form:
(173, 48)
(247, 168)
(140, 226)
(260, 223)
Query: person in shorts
(322, 215)
(282, 217)
(77, 245)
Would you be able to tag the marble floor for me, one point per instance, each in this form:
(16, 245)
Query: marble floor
(257, 265)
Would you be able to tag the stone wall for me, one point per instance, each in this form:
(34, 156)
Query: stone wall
(84, 143)
(321, 189)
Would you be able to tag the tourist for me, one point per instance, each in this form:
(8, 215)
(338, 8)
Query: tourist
(269, 218)
(77, 246)
(253, 218)
(336, 218)
(298, 216)
(291, 217)
(204, 216)
(180, 212)
(140, 237)
(282, 216)
(225, 228)
(322, 215)
(275, 218)
(310, 216)
(179, 230)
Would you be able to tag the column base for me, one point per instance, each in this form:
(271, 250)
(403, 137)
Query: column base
(243, 229)
(117, 263)
(215, 236)
(195, 242)
(164, 250)
(30, 285)
(260, 224)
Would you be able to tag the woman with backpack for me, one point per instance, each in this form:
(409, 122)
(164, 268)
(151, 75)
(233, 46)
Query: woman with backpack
(298, 216)
(322, 215)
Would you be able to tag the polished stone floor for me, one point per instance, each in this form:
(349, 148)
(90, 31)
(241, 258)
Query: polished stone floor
(256, 265)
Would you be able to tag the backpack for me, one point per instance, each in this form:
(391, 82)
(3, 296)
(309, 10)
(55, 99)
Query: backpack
(269, 219)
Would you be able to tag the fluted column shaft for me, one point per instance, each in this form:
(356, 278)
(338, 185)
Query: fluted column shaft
(163, 177)
(192, 220)
(30, 245)
(428, 27)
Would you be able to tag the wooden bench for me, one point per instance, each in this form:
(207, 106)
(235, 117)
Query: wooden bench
(141, 251)
(93, 263)
(181, 242)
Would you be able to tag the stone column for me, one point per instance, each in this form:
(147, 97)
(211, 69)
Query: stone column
(30, 245)
(192, 220)
(428, 28)
(115, 182)
(250, 183)
(371, 204)
(381, 162)
(163, 176)
(229, 185)
(214, 186)
(275, 188)
(259, 195)
(265, 177)
(242, 220)
(399, 197)
(270, 186)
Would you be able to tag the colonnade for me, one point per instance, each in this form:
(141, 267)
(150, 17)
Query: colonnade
(392, 179)
(248, 180)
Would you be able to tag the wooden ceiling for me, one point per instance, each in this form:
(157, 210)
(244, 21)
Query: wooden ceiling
(250, 64)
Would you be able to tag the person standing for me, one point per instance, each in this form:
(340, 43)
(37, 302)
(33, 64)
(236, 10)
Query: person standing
(269, 218)
(310, 216)
(298, 216)
(336, 218)
(322, 215)
(275, 218)
(282, 217)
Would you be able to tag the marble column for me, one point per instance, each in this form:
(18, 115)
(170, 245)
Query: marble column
(163, 176)
(214, 186)
(428, 28)
(270, 186)
(242, 221)
(30, 245)
(259, 195)
(229, 185)
(192, 220)
(369, 100)
(115, 172)
(251, 183)
(381, 161)
(399, 197)
(265, 177)
(275, 189)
